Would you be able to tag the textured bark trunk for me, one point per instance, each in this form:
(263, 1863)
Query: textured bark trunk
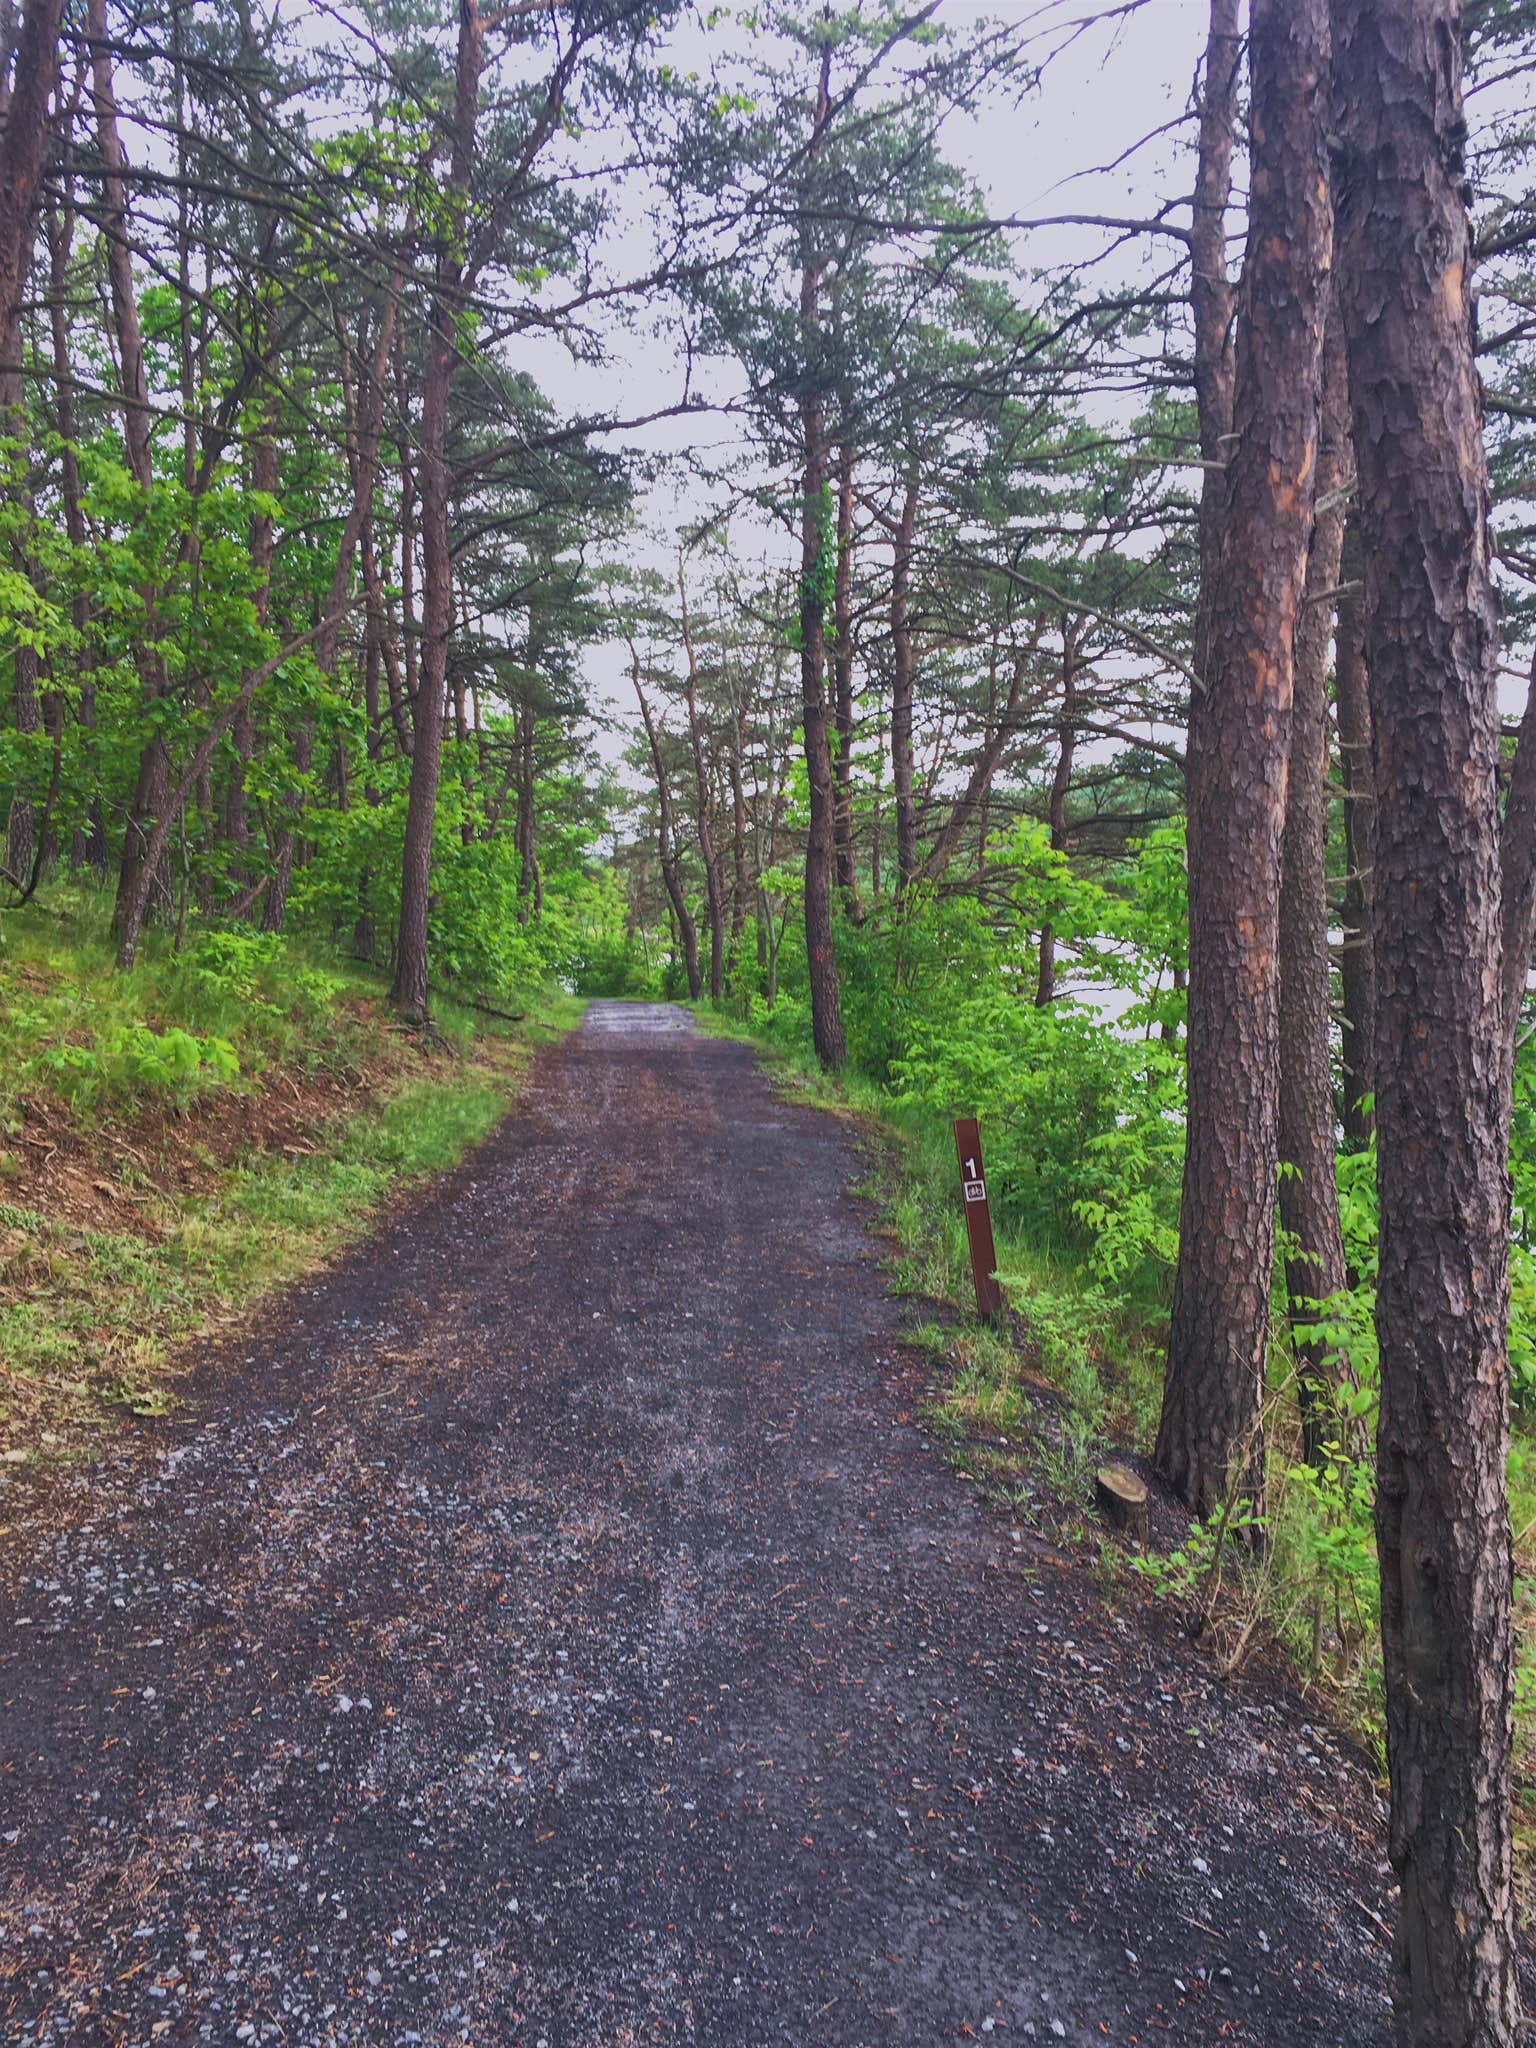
(820, 951)
(377, 600)
(265, 477)
(1442, 1066)
(137, 417)
(530, 890)
(27, 715)
(1357, 967)
(741, 884)
(411, 960)
(366, 426)
(902, 777)
(410, 639)
(365, 936)
(709, 851)
(138, 882)
(89, 847)
(677, 896)
(1061, 784)
(842, 679)
(1212, 297)
(1211, 1434)
(23, 153)
(1309, 1196)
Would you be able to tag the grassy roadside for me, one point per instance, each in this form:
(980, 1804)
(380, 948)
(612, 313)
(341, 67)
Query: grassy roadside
(1028, 1411)
(178, 1143)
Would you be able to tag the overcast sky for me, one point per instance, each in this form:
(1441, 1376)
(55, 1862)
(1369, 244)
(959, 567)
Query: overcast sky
(1109, 88)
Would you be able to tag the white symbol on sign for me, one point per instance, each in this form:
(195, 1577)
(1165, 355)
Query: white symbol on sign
(975, 1191)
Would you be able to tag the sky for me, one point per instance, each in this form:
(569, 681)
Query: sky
(1112, 86)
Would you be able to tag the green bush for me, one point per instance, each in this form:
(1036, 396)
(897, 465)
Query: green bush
(133, 1064)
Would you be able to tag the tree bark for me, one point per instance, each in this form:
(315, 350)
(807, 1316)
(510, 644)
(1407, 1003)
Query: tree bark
(530, 889)
(902, 777)
(1211, 1434)
(688, 933)
(741, 886)
(1061, 785)
(1357, 969)
(265, 477)
(137, 883)
(709, 851)
(1213, 299)
(90, 842)
(1309, 1195)
(1442, 1066)
(410, 990)
(23, 155)
(842, 679)
(366, 423)
(817, 533)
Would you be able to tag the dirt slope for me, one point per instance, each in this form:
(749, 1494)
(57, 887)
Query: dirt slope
(554, 1628)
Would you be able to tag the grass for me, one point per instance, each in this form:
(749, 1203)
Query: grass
(1025, 1418)
(145, 1201)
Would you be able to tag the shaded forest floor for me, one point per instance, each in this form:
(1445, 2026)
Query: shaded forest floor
(556, 1624)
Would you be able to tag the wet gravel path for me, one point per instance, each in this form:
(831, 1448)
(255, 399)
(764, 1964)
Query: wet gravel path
(553, 1628)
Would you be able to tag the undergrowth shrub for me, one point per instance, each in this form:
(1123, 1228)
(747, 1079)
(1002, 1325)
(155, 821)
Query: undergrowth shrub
(133, 1064)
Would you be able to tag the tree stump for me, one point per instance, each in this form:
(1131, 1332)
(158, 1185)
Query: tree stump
(1122, 1501)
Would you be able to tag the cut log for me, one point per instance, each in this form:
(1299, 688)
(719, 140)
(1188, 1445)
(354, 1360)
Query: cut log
(1122, 1501)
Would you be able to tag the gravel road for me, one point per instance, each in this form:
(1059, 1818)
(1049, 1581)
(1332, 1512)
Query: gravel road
(553, 1626)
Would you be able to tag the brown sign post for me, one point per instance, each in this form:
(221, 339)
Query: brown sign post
(978, 1217)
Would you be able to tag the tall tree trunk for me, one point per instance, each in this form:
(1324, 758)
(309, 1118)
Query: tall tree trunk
(1357, 967)
(1213, 300)
(709, 851)
(1211, 1433)
(410, 640)
(411, 963)
(27, 714)
(902, 777)
(265, 478)
(817, 537)
(1309, 1195)
(676, 894)
(23, 155)
(1061, 785)
(1442, 1066)
(138, 880)
(365, 936)
(842, 680)
(740, 882)
(90, 841)
(530, 887)
(366, 422)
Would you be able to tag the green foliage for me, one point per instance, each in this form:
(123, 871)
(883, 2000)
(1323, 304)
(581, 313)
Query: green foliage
(133, 1064)
(90, 1316)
